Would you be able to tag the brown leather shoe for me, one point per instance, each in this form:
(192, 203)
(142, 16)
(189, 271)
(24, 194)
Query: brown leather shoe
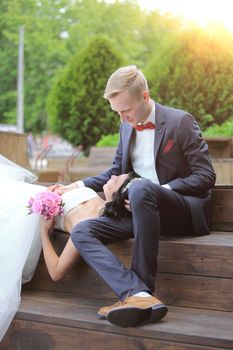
(134, 310)
(102, 312)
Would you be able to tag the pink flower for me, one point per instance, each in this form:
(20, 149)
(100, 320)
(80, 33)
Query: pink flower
(54, 210)
(37, 206)
(30, 202)
(47, 204)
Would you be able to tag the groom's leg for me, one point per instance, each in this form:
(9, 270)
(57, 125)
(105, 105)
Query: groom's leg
(90, 238)
(154, 210)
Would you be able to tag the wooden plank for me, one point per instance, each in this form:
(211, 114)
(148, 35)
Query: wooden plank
(222, 209)
(174, 289)
(223, 186)
(62, 322)
(195, 291)
(35, 335)
(209, 255)
(220, 147)
(14, 147)
(224, 170)
(202, 261)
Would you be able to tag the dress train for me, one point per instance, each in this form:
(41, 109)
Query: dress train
(20, 244)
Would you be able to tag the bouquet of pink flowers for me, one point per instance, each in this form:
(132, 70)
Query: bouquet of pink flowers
(46, 203)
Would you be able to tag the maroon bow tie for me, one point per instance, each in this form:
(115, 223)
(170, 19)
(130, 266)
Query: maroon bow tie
(141, 127)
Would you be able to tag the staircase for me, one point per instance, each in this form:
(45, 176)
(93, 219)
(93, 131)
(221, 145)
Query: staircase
(195, 279)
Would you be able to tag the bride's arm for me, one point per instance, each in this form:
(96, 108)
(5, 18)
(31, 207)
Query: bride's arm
(58, 266)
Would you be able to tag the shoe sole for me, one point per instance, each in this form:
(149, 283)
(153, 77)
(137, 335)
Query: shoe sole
(157, 313)
(128, 317)
(132, 316)
(101, 316)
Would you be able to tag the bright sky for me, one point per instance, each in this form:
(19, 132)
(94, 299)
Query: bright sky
(200, 11)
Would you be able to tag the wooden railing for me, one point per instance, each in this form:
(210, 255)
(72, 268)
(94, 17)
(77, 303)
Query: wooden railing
(221, 150)
(14, 147)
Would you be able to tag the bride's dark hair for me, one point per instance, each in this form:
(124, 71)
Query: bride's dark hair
(116, 208)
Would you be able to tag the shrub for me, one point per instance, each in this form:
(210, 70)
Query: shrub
(77, 109)
(108, 141)
(195, 74)
(226, 129)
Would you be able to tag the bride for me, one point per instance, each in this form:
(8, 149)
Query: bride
(21, 235)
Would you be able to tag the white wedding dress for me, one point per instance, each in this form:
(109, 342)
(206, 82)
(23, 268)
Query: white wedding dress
(20, 244)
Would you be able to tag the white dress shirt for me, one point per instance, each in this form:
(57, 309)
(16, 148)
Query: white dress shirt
(142, 151)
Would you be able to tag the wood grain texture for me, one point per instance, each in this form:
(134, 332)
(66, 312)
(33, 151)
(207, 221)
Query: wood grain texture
(222, 209)
(195, 291)
(195, 279)
(193, 272)
(47, 321)
(220, 147)
(14, 147)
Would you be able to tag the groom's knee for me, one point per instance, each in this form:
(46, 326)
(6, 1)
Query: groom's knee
(81, 232)
(141, 191)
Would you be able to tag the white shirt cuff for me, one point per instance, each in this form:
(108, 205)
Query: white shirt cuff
(80, 183)
(167, 186)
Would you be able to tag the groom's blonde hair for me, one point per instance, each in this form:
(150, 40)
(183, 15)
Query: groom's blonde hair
(128, 78)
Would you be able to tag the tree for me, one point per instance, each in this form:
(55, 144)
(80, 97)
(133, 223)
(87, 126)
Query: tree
(54, 31)
(44, 52)
(195, 74)
(76, 108)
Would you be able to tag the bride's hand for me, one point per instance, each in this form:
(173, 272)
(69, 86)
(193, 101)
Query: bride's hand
(46, 225)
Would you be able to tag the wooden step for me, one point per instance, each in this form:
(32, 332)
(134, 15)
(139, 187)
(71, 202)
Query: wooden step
(195, 279)
(68, 322)
(193, 272)
(222, 208)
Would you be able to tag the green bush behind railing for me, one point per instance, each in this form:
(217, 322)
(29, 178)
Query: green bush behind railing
(226, 129)
(110, 140)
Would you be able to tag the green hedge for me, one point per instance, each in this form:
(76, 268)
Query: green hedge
(195, 74)
(77, 109)
(226, 129)
(108, 141)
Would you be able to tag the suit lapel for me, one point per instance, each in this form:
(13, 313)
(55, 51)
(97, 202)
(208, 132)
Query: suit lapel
(127, 134)
(160, 128)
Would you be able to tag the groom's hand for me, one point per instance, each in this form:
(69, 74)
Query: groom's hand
(127, 205)
(52, 188)
(60, 189)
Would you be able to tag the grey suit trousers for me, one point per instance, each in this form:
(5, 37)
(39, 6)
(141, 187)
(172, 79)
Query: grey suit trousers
(155, 210)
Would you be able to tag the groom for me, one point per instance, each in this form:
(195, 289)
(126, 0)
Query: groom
(165, 147)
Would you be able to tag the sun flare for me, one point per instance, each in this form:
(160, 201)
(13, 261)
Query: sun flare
(203, 12)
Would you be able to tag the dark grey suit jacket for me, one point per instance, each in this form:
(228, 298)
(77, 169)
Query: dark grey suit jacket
(181, 159)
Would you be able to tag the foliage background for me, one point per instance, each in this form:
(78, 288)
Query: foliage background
(186, 67)
(77, 109)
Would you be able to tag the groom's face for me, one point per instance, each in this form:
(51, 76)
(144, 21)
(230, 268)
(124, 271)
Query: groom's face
(131, 109)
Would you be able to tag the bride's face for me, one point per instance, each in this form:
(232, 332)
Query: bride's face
(113, 185)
